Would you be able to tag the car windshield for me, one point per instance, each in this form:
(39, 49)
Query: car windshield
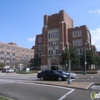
(56, 72)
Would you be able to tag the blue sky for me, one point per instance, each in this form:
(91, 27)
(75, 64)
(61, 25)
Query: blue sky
(22, 20)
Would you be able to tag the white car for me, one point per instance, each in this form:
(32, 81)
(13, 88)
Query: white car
(9, 70)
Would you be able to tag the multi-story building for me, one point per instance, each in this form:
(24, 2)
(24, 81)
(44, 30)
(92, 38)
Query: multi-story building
(49, 45)
(11, 52)
(58, 33)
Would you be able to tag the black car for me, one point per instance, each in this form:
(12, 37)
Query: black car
(51, 75)
(3, 70)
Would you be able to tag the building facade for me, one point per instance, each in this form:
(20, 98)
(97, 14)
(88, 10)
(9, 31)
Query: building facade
(80, 37)
(10, 53)
(59, 33)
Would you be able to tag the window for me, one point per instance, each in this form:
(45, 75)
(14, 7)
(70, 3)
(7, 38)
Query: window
(18, 50)
(2, 46)
(49, 44)
(13, 59)
(40, 40)
(13, 48)
(80, 33)
(50, 52)
(74, 43)
(40, 47)
(80, 51)
(7, 53)
(74, 34)
(2, 58)
(22, 50)
(57, 51)
(13, 54)
(7, 63)
(39, 54)
(7, 58)
(2, 52)
(8, 48)
(77, 42)
(57, 34)
(57, 43)
(53, 33)
(49, 36)
(77, 33)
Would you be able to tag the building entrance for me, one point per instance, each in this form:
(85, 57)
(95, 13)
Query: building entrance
(54, 66)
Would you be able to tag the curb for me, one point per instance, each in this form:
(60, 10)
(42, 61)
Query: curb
(69, 86)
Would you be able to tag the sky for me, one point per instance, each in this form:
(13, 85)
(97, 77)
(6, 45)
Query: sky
(22, 20)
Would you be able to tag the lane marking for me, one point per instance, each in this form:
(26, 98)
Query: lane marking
(92, 76)
(66, 94)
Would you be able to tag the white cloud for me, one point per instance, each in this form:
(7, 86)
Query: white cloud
(95, 34)
(95, 11)
(31, 39)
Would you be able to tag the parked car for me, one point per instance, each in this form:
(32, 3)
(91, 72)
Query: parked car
(3, 70)
(51, 75)
(9, 70)
(72, 75)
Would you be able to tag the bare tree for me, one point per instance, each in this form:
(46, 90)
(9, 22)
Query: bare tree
(15, 63)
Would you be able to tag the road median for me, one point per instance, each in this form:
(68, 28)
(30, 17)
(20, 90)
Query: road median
(77, 85)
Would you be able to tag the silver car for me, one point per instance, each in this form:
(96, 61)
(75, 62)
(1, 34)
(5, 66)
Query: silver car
(9, 70)
(72, 75)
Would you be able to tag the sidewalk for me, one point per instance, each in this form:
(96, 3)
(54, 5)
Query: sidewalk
(77, 85)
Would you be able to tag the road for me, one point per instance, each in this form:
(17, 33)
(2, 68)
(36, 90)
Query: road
(24, 87)
(88, 78)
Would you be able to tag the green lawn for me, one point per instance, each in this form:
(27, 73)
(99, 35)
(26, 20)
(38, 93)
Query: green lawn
(30, 72)
(3, 98)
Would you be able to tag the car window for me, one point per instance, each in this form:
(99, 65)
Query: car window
(56, 72)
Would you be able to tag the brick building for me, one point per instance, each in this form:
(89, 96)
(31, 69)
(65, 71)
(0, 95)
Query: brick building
(58, 33)
(11, 52)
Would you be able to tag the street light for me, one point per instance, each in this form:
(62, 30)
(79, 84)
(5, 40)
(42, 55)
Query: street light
(69, 80)
(85, 58)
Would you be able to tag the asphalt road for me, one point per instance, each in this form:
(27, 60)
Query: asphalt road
(23, 87)
(31, 91)
(88, 78)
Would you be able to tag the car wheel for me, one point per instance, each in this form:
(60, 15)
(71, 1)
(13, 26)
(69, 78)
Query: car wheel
(41, 78)
(59, 79)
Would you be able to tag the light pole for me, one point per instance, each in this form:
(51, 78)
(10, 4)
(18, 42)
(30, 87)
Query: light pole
(85, 58)
(69, 69)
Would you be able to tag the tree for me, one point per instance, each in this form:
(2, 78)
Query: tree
(72, 54)
(90, 58)
(1, 65)
(97, 62)
(36, 61)
(65, 57)
(15, 63)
